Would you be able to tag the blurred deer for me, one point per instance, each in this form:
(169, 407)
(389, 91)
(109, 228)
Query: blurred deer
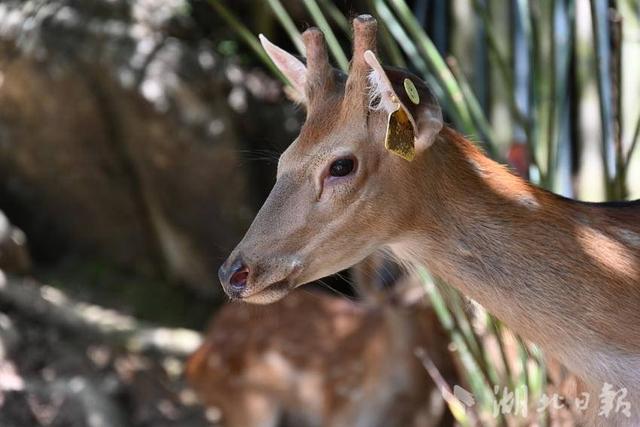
(318, 360)
(375, 167)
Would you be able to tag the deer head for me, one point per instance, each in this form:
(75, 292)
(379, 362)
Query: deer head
(343, 187)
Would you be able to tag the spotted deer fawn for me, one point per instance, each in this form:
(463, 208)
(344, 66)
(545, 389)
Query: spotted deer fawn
(374, 167)
(315, 360)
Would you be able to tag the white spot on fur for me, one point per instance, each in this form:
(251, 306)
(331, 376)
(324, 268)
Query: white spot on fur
(528, 201)
(477, 168)
(523, 198)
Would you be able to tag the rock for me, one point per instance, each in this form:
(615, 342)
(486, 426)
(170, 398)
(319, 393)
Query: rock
(72, 401)
(14, 254)
(9, 336)
(121, 135)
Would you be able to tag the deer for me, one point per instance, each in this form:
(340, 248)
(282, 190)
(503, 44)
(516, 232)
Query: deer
(374, 167)
(319, 360)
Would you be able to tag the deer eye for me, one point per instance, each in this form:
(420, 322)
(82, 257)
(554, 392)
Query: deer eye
(341, 167)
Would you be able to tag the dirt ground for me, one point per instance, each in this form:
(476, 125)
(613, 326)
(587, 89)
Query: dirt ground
(54, 378)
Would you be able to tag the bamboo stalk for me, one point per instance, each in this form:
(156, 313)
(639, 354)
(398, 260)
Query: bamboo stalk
(500, 61)
(457, 408)
(246, 35)
(616, 93)
(525, 24)
(496, 330)
(474, 107)
(562, 39)
(475, 364)
(415, 58)
(536, 130)
(634, 144)
(600, 23)
(462, 324)
(554, 96)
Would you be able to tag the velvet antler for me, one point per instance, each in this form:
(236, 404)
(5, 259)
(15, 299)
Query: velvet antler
(357, 89)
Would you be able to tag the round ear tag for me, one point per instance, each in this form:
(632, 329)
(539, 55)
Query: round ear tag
(411, 91)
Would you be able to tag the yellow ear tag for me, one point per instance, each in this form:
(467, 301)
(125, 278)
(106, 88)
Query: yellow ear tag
(411, 91)
(400, 138)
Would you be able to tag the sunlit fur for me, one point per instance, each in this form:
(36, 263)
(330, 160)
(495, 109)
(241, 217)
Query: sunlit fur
(379, 99)
(570, 285)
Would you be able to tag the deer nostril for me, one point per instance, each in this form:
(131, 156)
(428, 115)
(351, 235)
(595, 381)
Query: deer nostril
(238, 279)
(233, 276)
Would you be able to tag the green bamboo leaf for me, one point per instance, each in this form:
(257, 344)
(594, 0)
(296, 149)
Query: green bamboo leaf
(389, 43)
(411, 50)
(437, 64)
(495, 328)
(247, 36)
(404, 41)
(475, 369)
(336, 16)
(330, 37)
(288, 25)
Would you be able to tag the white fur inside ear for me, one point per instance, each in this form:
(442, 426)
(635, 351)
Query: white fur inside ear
(381, 95)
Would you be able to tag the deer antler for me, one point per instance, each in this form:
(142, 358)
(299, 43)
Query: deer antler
(364, 38)
(320, 79)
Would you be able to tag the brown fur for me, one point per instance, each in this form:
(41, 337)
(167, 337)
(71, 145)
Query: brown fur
(563, 274)
(560, 273)
(318, 360)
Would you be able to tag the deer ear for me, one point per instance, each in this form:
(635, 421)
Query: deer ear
(293, 69)
(415, 118)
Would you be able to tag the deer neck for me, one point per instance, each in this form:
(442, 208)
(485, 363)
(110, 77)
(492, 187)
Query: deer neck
(528, 256)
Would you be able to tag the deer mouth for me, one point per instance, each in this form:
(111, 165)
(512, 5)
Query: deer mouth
(268, 294)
